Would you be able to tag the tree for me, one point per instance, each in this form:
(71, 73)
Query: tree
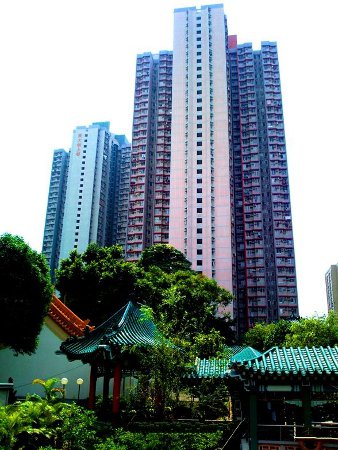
(264, 336)
(96, 283)
(189, 306)
(314, 331)
(310, 331)
(164, 256)
(25, 295)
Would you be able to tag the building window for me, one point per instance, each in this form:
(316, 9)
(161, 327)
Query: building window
(199, 251)
(199, 241)
(199, 117)
(199, 161)
(199, 108)
(198, 53)
(199, 144)
(198, 39)
(199, 61)
(199, 181)
(199, 210)
(199, 46)
(199, 262)
(199, 83)
(199, 191)
(199, 75)
(199, 230)
(199, 92)
(199, 100)
(199, 220)
(199, 200)
(199, 134)
(199, 125)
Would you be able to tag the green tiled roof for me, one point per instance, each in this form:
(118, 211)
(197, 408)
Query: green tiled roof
(125, 327)
(276, 361)
(294, 360)
(245, 354)
(211, 368)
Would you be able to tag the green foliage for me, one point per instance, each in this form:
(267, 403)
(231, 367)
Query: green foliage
(213, 399)
(52, 393)
(312, 331)
(25, 294)
(164, 256)
(37, 423)
(96, 283)
(189, 305)
(125, 440)
(264, 336)
(78, 428)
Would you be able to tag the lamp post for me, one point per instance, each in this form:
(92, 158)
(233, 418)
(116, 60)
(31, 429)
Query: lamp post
(79, 382)
(64, 382)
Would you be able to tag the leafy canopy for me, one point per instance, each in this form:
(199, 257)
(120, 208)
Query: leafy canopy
(96, 283)
(311, 331)
(25, 293)
(164, 256)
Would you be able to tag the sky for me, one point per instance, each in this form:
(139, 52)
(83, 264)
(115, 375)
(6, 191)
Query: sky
(66, 63)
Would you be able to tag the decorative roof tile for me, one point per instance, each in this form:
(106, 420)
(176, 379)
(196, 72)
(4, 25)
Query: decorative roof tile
(66, 319)
(294, 360)
(126, 327)
(276, 361)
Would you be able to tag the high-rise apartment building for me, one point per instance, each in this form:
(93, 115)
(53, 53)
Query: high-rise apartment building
(331, 282)
(207, 171)
(265, 287)
(86, 193)
(55, 208)
(200, 191)
(148, 215)
(229, 195)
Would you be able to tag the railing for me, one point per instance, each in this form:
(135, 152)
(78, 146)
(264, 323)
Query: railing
(288, 432)
(278, 433)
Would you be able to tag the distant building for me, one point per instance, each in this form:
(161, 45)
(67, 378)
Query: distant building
(331, 281)
(265, 283)
(148, 214)
(84, 195)
(55, 208)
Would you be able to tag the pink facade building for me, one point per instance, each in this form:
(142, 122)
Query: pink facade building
(148, 213)
(200, 190)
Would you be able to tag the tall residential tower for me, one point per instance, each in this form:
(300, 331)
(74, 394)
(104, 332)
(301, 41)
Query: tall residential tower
(85, 197)
(148, 215)
(230, 207)
(200, 190)
(265, 287)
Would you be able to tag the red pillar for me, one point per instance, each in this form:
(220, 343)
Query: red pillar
(117, 389)
(92, 386)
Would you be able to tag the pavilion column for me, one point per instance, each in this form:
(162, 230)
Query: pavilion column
(92, 385)
(117, 388)
(253, 420)
(306, 404)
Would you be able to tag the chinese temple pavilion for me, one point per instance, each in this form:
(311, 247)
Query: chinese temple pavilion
(276, 392)
(106, 347)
